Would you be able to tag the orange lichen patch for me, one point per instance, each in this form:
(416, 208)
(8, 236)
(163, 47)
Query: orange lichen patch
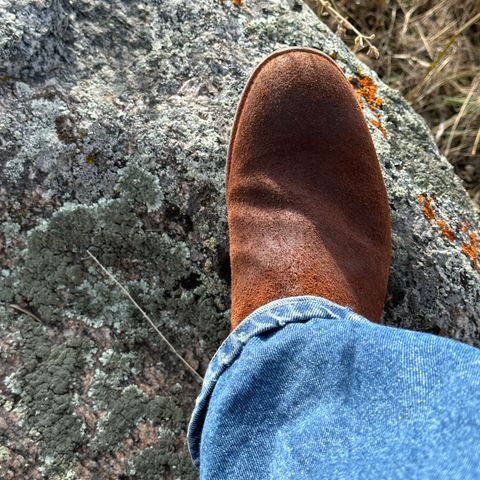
(377, 124)
(445, 230)
(470, 246)
(366, 91)
(470, 249)
(426, 207)
(238, 3)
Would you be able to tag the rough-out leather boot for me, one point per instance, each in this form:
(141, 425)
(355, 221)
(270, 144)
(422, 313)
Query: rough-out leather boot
(307, 206)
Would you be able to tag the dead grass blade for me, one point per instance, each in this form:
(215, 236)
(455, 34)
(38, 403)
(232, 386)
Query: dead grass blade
(460, 115)
(137, 306)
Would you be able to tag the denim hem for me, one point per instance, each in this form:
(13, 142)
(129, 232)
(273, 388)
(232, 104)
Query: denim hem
(273, 315)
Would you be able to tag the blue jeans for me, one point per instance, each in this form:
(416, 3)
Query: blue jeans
(306, 389)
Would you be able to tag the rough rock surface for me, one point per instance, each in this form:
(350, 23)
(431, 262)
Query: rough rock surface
(114, 125)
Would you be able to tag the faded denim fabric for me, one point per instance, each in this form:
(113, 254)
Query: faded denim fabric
(306, 389)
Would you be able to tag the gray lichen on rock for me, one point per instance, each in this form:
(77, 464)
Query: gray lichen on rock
(113, 138)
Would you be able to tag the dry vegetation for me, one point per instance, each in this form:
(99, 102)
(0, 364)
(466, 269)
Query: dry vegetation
(430, 51)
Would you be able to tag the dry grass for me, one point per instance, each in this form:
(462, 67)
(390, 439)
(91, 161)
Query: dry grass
(430, 51)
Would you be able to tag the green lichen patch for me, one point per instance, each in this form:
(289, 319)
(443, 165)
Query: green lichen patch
(44, 383)
(122, 366)
(161, 462)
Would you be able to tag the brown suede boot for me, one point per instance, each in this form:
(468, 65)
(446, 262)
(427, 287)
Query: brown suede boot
(307, 206)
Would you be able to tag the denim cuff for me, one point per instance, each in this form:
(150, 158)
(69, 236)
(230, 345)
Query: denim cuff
(273, 315)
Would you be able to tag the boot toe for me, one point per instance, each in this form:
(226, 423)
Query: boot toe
(293, 98)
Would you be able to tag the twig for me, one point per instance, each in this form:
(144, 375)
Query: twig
(25, 311)
(126, 292)
(344, 22)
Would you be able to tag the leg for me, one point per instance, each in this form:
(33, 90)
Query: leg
(307, 389)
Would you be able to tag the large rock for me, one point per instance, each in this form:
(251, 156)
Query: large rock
(114, 125)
